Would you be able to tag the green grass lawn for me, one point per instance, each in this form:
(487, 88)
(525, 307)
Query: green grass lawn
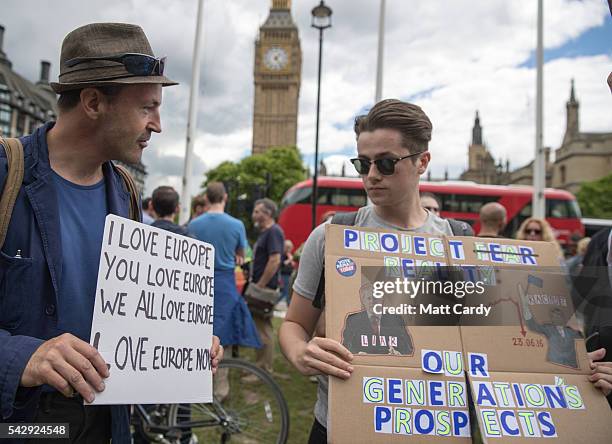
(298, 390)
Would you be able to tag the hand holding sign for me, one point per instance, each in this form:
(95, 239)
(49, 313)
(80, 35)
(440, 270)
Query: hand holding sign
(324, 356)
(216, 354)
(67, 363)
(601, 375)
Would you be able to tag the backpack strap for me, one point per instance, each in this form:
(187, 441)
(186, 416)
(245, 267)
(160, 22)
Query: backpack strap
(460, 228)
(14, 179)
(345, 218)
(135, 213)
(338, 219)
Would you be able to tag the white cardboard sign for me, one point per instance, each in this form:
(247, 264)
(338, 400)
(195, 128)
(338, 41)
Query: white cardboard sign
(153, 315)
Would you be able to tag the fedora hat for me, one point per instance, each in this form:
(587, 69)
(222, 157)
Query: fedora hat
(102, 54)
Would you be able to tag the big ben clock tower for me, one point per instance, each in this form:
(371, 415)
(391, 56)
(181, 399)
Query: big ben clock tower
(278, 68)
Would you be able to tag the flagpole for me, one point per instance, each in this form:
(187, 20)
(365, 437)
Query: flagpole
(539, 167)
(192, 123)
(380, 54)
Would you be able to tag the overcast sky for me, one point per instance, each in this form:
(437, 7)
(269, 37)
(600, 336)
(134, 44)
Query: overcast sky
(451, 57)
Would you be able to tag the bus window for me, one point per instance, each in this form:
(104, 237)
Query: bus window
(323, 195)
(326, 196)
(358, 200)
(464, 203)
(513, 224)
(574, 209)
(525, 212)
(347, 197)
(299, 195)
(562, 208)
(556, 208)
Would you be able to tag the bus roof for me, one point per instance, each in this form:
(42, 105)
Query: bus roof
(456, 186)
(332, 181)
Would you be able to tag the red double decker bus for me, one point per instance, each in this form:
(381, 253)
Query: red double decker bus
(459, 200)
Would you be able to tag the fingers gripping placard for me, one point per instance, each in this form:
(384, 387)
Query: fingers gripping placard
(153, 315)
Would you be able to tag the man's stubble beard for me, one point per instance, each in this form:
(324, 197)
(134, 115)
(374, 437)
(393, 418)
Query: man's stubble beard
(120, 144)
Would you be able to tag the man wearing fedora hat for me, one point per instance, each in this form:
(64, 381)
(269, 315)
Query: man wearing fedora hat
(110, 88)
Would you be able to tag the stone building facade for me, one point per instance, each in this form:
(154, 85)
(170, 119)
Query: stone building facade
(524, 174)
(481, 164)
(581, 157)
(24, 106)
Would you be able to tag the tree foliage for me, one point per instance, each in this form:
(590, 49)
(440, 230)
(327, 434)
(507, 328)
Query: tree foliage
(595, 198)
(269, 174)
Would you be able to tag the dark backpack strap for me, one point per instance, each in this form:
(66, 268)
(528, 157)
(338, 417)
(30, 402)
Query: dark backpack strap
(14, 179)
(460, 228)
(130, 185)
(338, 219)
(344, 218)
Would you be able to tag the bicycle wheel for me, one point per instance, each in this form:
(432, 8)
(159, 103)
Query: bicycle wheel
(146, 431)
(241, 412)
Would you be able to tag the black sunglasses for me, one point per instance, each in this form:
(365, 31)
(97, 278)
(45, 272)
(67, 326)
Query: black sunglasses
(137, 64)
(533, 231)
(386, 165)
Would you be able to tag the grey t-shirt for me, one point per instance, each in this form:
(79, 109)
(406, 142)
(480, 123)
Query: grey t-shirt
(311, 265)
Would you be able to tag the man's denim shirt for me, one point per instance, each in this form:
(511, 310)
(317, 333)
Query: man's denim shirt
(29, 280)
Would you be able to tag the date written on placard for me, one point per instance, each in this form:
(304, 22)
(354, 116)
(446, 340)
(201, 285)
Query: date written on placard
(528, 342)
(40, 430)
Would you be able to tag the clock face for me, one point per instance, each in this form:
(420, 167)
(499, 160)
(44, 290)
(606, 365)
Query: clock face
(275, 58)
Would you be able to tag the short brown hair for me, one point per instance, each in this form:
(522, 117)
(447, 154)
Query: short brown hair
(215, 192)
(407, 118)
(198, 201)
(431, 196)
(67, 100)
(165, 200)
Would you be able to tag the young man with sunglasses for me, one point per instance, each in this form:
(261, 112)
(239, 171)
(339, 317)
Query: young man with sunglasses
(392, 154)
(110, 88)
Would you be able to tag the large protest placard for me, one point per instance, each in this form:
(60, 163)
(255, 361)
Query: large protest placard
(497, 335)
(153, 315)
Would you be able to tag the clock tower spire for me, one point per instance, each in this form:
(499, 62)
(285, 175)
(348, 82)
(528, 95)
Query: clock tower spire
(277, 77)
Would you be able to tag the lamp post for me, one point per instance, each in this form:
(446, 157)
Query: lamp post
(321, 19)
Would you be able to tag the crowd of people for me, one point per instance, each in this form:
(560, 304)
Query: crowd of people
(240, 319)
(110, 91)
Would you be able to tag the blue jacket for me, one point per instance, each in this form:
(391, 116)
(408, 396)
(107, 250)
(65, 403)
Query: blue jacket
(29, 284)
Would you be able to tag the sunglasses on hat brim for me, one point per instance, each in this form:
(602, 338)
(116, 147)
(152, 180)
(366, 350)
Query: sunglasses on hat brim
(134, 63)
